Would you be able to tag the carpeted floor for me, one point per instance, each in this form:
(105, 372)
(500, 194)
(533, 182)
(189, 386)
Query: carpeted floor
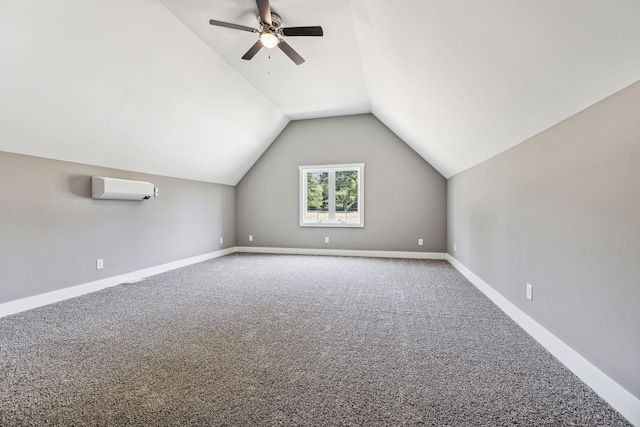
(268, 340)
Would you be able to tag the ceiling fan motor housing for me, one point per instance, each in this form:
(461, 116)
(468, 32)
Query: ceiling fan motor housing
(276, 21)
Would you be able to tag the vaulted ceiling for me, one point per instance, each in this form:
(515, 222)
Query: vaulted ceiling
(150, 86)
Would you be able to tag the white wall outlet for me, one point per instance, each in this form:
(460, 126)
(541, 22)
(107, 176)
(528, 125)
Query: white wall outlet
(420, 242)
(454, 248)
(221, 240)
(99, 264)
(155, 192)
(529, 292)
(326, 239)
(250, 238)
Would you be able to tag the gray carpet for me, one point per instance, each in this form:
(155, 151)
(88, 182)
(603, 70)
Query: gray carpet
(268, 340)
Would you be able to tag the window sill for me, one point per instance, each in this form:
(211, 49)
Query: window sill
(333, 224)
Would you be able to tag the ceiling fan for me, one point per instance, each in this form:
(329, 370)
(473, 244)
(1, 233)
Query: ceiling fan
(271, 32)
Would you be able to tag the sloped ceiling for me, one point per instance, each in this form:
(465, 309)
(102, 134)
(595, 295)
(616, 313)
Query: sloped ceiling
(150, 86)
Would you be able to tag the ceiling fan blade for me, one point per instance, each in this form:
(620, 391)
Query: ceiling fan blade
(252, 52)
(234, 26)
(265, 11)
(302, 31)
(288, 50)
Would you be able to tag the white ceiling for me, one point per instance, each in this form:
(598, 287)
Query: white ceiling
(150, 86)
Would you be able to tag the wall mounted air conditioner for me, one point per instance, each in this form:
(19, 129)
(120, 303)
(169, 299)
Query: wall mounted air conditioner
(120, 189)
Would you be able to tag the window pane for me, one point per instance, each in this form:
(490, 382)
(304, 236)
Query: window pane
(347, 196)
(332, 195)
(317, 196)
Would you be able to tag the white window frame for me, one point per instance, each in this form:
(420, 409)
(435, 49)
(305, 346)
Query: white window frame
(331, 169)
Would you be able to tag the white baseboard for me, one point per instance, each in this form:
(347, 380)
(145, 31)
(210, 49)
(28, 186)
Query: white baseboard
(619, 398)
(17, 306)
(342, 252)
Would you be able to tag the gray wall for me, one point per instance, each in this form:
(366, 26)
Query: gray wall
(562, 212)
(52, 232)
(405, 198)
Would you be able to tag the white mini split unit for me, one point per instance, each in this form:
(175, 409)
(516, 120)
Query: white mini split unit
(120, 189)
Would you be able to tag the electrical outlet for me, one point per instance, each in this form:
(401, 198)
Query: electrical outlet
(99, 264)
(420, 242)
(250, 238)
(326, 239)
(155, 191)
(454, 248)
(221, 240)
(529, 292)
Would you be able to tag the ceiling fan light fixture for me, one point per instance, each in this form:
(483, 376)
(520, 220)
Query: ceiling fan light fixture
(268, 39)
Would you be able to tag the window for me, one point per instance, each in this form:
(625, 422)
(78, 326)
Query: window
(332, 196)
